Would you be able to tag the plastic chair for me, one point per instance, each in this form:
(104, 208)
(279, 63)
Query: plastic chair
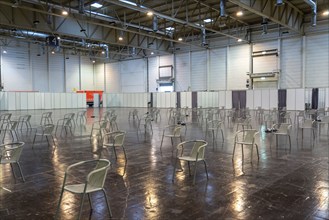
(246, 137)
(10, 154)
(307, 124)
(46, 118)
(324, 120)
(283, 129)
(94, 182)
(115, 140)
(146, 122)
(133, 114)
(81, 117)
(197, 154)
(11, 127)
(45, 131)
(25, 119)
(172, 131)
(67, 122)
(213, 127)
(244, 123)
(99, 127)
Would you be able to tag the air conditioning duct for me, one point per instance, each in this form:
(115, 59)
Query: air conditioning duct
(81, 7)
(222, 8)
(314, 12)
(155, 23)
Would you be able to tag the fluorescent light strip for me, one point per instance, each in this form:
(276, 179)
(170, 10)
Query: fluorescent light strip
(96, 5)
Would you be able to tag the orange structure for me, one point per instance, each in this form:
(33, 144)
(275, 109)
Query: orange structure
(90, 96)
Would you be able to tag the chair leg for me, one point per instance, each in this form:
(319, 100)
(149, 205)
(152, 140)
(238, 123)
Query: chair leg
(81, 205)
(59, 203)
(173, 173)
(289, 141)
(195, 172)
(33, 140)
(161, 142)
(172, 141)
(20, 170)
(124, 152)
(233, 151)
(90, 203)
(12, 170)
(257, 151)
(107, 203)
(115, 153)
(189, 168)
(205, 166)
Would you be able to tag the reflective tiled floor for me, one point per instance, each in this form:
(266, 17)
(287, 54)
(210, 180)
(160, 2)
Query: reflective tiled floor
(284, 184)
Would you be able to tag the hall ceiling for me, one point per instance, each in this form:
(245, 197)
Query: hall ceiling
(174, 24)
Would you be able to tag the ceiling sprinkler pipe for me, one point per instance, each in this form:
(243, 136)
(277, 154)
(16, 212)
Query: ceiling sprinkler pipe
(155, 23)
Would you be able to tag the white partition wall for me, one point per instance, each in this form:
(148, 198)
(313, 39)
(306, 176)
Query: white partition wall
(265, 94)
(228, 99)
(186, 99)
(250, 99)
(327, 98)
(273, 98)
(257, 99)
(221, 98)
(300, 99)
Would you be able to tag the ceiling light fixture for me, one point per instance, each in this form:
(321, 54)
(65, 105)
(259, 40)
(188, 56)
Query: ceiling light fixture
(152, 53)
(325, 13)
(180, 39)
(239, 13)
(120, 38)
(4, 51)
(96, 5)
(64, 12)
(239, 40)
(52, 52)
(149, 13)
(279, 3)
(103, 52)
(208, 20)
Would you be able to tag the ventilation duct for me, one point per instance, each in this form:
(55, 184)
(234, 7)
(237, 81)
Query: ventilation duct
(313, 6)
(264, 24)
(222, 8)
(155, 23)
(81, 7)
(203, 37)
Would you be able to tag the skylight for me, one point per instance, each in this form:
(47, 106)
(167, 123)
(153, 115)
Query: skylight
(96, 5)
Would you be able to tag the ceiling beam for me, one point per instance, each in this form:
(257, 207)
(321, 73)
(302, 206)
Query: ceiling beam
(285, 15)
(144, 9)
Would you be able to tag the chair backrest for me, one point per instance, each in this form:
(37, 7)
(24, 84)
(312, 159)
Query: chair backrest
(308, 123)
(249, 135)
(177, 130)
(11, 152)
(115, 137)
(198, 149)
(97, 177)
(5, 117)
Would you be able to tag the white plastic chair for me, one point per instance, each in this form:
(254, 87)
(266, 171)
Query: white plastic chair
(10, 127)
(213, 127)
(24, 119)
(115, 140)
(307, 124)
(94, 182)
(246, 137)
(282, 129)
(324, 120)
(66, 123)
(81, 117)
(145, 122)
(133, 114)
(99, 127)
(46, 118)
(172, 131)
(10, 154)
(244, 123)
(45, 131)
(197, 154)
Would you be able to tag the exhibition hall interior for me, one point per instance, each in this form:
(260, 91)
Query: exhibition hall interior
(167, 109)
